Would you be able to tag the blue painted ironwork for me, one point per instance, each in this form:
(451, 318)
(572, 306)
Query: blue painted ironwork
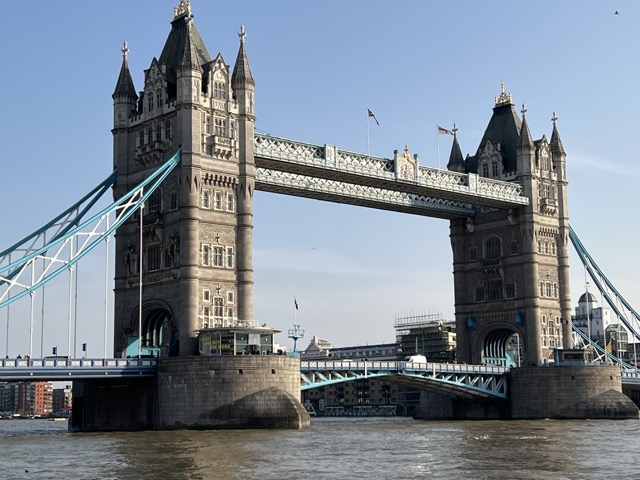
(469, 380)
(624, 311)
(62, 368)
(92, 232)
(602, 351)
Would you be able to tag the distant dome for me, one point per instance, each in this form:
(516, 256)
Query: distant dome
(592, 298)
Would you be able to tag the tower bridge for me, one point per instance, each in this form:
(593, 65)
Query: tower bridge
(183, 244)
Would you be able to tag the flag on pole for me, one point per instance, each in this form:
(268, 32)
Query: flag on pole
(370, 113)
(444, 131)
(295, 302)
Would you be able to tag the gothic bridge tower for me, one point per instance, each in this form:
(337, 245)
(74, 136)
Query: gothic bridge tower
(197, 227)
(511, 268)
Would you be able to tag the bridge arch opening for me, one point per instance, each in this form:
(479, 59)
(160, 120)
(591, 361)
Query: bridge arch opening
(159, 335)
(503, 347)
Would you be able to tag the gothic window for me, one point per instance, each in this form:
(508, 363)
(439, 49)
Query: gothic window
(553, 247)
(230, 297)
(206, 255)
(492, 248)
(158, 132)
(494, 289)
(206, 313)
(494, 169)
(221, 127)
(167, 130)
(153, 257)
(229, 257)
(207, 125)
(218, 201)
(150, 101)
(510, 290)
(147, 136)
(542, 289)
(206, 295)
(231, 202)
(155, 201)
(544, 320)
(230, 312)
(218, 307)
(555, 290)
(219, 90)
(218, 256)
(159, 99)
(479, 294)
(206, 200)
(174, 201)
(485, 170)
(546, 247)
(549, 292)
(141, 138)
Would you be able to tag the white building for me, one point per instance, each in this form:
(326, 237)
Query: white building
(590, 318)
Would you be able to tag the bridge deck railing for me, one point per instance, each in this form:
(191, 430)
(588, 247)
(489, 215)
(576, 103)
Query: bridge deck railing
(64, 363)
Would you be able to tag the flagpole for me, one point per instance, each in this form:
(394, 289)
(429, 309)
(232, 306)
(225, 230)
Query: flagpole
(368, 151)
(438, 146)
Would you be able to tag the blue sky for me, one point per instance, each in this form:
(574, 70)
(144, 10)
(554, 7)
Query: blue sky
(318, 66)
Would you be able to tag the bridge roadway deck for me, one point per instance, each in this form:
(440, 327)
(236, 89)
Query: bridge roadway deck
(327, 173)
(484, 379)
(66, 369)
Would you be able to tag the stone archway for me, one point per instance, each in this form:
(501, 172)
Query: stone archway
(159, 331)
(502, 346)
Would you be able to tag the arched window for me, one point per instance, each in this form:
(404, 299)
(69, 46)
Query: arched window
(493, 248)
(150, 101)
(485, 170)
(494, 169)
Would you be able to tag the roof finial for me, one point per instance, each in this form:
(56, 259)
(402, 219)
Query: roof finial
(503, 99)
(241, 34)
(183, 9)
(554, 119)
(125, 51)
(455, 130)
(524, 110)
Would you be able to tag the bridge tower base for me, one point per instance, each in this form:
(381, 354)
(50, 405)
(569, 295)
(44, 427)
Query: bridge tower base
(198, 392)
(570, 392)
(243, 391)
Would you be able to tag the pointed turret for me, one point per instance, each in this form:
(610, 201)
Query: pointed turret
(525, 142)
(456, 160)
(124, 86)
(503, 132)
(241, 71)
(183, 31)
(526, 148)
(190, 60)
(556, 143)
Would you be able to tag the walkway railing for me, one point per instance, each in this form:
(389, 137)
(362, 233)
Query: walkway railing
(67, 369)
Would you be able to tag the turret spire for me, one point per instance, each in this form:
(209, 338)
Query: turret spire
(241, 70)
(524, 141)
(556, 143)
(124, 85)
(456, 160)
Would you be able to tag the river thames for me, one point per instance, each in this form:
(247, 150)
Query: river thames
(333, 448)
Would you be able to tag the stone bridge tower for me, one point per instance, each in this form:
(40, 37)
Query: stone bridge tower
(197, 227)
(511, 268)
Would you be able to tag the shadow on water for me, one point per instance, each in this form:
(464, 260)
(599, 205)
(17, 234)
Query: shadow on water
(333, 448)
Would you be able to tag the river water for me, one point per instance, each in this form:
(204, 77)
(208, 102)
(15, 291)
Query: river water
(333, 448)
